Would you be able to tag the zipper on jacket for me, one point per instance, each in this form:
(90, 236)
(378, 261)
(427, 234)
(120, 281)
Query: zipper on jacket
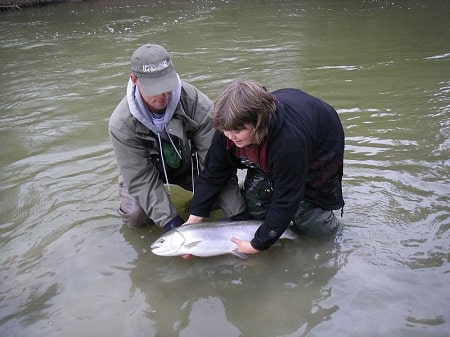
(169, 192)
(195, 168)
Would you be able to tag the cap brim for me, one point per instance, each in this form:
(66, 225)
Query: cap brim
(152, 86)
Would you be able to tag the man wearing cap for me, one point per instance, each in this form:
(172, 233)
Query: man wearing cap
(160, 134)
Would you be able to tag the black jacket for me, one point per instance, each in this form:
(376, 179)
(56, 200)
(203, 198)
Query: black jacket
(305, 151)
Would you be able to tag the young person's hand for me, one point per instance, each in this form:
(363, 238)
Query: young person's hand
(244, 246)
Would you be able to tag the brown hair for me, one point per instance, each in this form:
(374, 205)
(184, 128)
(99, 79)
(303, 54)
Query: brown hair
(244, 102)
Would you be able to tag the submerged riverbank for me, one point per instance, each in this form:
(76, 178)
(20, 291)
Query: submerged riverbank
(18, 4)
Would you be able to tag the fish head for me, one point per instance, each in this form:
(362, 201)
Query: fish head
(168, 244)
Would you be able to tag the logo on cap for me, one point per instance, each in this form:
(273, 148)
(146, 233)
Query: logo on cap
(151, 68)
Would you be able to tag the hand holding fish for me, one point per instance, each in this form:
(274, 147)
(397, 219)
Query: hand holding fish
(243, 246)
(193, 219)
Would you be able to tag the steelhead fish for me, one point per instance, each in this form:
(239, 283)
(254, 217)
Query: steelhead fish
(208, 238)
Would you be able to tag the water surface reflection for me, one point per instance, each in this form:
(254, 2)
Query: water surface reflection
(180, 293)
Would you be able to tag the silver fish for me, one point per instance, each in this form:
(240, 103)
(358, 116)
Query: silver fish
(208, 238)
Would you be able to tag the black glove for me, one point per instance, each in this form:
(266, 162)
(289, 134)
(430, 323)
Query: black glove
(174, 223)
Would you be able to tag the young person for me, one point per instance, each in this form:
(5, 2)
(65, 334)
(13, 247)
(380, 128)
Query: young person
(292, 145)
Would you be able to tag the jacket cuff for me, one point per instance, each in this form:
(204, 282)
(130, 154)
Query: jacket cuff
(265, 243)
(258, 246)
(174, 223)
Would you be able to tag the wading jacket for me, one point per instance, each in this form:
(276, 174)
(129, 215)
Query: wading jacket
(138, 154)
(305, 150)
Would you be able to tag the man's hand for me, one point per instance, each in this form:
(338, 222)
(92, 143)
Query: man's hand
(193, 219)
(244, 246)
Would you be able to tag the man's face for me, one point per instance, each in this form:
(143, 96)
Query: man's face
(157, 103)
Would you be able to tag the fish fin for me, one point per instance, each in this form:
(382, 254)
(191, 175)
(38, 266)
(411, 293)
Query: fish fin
(239, 255)
(192, 244)
(289, 234)
(277, 243)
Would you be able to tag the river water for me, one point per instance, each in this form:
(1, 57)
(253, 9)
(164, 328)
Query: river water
(69, 268)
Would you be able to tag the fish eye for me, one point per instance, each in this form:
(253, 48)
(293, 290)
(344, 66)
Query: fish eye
(161, 241)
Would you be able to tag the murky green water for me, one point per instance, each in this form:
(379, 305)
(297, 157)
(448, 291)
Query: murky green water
(69, 268)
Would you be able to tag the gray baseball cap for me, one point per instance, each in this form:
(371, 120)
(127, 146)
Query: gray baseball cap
(153, 67)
